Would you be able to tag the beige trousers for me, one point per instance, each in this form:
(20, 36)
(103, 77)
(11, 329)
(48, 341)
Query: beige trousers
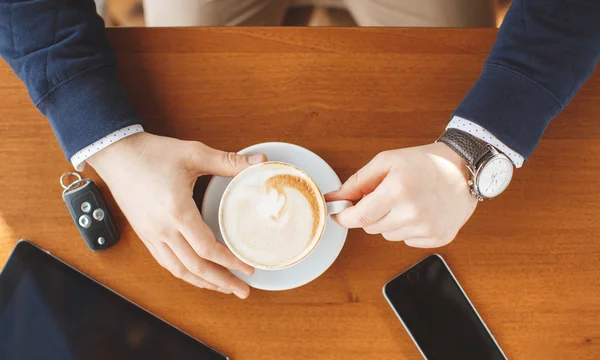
(422, 13)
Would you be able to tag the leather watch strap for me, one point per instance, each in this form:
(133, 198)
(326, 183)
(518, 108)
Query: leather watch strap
(465, 144)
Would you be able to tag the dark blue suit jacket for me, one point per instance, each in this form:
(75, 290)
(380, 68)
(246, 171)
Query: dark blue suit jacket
(545, 51)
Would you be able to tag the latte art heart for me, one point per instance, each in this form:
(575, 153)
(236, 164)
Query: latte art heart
(272, 215)
(272, 205)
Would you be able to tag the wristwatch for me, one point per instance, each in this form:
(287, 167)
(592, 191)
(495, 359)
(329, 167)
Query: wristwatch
(491, 170)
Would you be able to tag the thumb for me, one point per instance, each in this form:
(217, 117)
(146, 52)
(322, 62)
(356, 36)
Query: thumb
(363, 182)
(223, 163)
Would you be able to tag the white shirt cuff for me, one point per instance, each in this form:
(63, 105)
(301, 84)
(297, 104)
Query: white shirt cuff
(484, 135)
(78, 160)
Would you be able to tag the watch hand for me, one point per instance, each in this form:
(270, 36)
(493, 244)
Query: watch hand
(488, 188)
(491, 182)
(501, 177)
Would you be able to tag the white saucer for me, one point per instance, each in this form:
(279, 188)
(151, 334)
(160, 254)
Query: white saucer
(328, 249)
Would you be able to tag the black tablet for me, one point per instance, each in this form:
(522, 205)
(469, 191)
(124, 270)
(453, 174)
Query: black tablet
(49, 310)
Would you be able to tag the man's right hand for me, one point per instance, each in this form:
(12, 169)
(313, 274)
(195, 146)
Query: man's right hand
(152, 179)
(417, 195)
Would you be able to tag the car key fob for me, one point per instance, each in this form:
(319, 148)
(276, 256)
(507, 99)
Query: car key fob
(90, 213)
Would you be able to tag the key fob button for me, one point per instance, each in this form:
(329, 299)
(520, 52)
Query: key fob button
(86, 207)
(85, 221)
(91, 215)
(98, 214)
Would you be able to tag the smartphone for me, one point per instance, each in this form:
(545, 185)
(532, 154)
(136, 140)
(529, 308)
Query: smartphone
(438, 315)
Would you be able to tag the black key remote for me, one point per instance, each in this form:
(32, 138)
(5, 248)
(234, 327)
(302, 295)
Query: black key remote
(91, 215)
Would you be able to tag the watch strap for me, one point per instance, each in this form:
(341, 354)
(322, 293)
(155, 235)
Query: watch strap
(466, 145)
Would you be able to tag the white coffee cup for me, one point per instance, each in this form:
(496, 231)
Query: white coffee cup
(257, 212)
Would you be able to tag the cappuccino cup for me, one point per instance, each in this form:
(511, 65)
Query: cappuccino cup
(272, 215)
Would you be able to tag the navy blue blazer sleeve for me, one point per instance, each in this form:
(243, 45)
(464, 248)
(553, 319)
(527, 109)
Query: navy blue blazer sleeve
(544, 52)
(59, 48)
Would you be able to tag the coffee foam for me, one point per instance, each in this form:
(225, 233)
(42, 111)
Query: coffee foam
(272, 215)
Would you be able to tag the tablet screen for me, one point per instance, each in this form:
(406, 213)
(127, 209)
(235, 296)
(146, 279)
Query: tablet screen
(49, 310)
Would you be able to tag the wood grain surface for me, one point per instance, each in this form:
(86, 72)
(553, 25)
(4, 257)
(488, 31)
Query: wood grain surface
(528, 260)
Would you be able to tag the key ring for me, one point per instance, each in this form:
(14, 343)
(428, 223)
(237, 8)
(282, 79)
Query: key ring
(71, 173)
(74, 184)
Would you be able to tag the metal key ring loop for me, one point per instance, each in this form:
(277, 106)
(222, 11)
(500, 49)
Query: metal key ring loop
(75, 184)
(63, 176)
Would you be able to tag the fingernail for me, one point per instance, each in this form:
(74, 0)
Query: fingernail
(331, 194)
(240, 294)
(224, 291)
(248, 272)
(255, 159)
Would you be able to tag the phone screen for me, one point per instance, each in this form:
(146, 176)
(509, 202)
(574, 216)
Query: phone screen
(438, 315)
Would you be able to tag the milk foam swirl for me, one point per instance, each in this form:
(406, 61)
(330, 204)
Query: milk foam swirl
(272, 215)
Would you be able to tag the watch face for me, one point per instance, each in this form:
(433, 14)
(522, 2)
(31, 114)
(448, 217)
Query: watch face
(494, 176)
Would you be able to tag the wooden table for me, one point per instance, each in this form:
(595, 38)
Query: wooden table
(528, 260)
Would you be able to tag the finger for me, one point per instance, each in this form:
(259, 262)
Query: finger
(425, 242)
(389, 222)
(405, 232)
(204, 243)
(222, 163)
(364, 181)
(370, 209)
(207, 270)
(398, 217)
(154, 252)
(178, 269)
